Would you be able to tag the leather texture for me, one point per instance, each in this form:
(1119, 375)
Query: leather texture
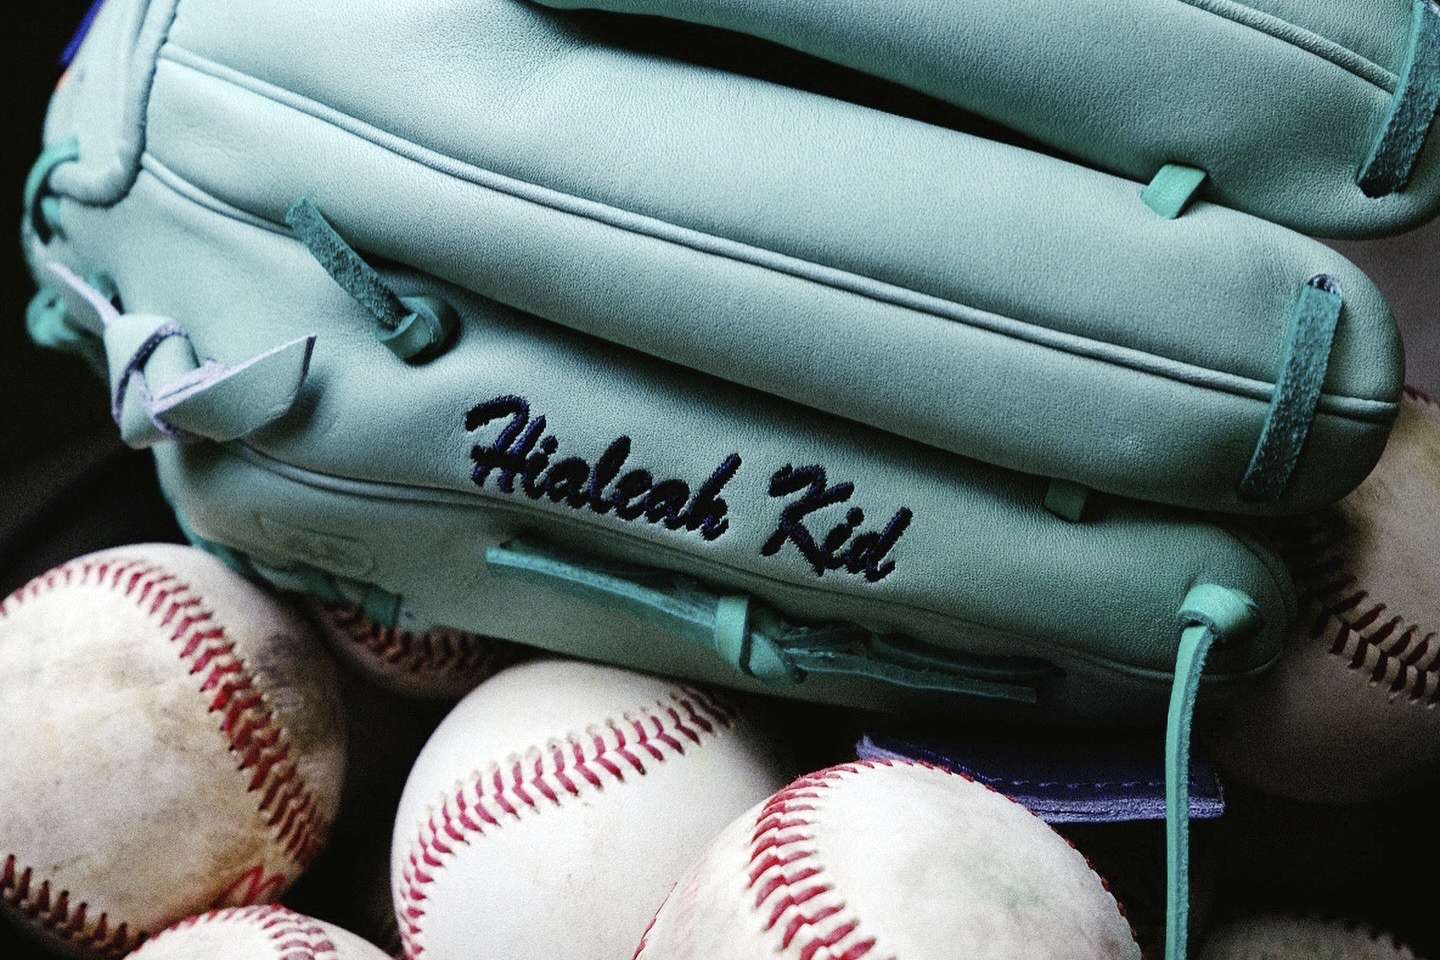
(371, 479)
(1278, 101)
(973, 295)
(830, 355)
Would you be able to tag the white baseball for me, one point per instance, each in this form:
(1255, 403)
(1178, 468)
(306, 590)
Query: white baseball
(1350, 713)
(1299, 938)
(882, 859)
(554, 807)
(440, 663)
(269, 932)
(173, 742)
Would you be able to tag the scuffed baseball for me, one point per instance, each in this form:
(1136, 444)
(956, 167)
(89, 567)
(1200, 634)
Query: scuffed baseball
(173, 740)
(1349, 713)
(888, 859)
(554, 807)
(268, 932)
(1299, 938)
(439, 663)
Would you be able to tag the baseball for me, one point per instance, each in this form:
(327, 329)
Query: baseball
(1349, 714)
(554, 807)
(1299, 938)
(440, 663)
(174, 743)
(882, 859)
(269, 932)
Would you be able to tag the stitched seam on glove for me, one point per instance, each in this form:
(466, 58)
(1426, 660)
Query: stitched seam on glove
(740, 577)
(1301, 39)
(1358, 408)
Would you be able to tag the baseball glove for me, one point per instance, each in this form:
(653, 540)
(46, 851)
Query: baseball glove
(773, 343)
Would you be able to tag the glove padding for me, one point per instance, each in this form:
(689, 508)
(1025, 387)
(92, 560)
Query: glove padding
(826, 364)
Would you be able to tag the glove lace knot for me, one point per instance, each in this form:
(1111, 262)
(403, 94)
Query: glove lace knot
(415, 329)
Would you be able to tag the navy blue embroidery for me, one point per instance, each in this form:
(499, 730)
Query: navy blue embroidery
(523, 452)
(841, 548)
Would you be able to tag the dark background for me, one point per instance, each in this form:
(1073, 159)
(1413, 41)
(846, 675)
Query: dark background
(66, 487)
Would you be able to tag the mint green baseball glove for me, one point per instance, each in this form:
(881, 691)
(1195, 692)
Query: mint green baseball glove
(902, 355)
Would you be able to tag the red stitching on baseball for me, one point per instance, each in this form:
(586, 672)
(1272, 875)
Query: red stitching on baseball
(559, 769)
(298, 937)
(246, 721)
(58, 918)
(294, 936)
(441, 649)
(1420, 395)
(1360, 632)
(789, 886)
(786, 880)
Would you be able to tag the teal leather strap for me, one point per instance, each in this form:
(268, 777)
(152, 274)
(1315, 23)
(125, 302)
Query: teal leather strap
(41, 207)
(758, 643)
(1172, 189)
(1209, 614)
(1397, 147)
(415, 329)
(1308, 344)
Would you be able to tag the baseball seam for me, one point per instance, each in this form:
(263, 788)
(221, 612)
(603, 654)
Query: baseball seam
(542, 778)
(1330, 923)
(1360, 632)
(1377, 936)
(787, 879)
(294, 936)
(441, 650)
(247, 723)
(299, 938)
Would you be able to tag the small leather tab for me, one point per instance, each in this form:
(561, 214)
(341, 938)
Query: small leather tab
(89, 308)
(381, 608)
(161, 391)
(47, 320)
(1067, 499)
(132, 342)
(1172, 189)
(345, 266)
(227, 403)
(732, 630)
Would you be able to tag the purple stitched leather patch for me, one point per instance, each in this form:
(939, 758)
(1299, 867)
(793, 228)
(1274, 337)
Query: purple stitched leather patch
(1062, 782)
